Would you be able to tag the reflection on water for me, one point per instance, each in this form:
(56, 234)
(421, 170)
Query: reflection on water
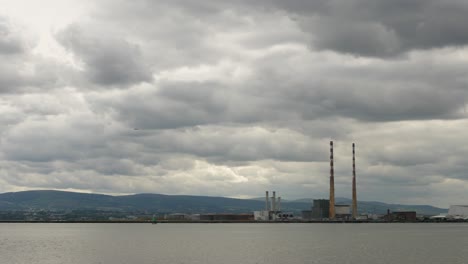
(234, 243)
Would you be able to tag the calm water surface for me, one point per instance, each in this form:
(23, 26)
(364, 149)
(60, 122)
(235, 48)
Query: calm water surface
(233, 243)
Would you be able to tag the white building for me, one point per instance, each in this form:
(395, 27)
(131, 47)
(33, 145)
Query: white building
(458, 211)
(342, 209)
(272, 209)
(261, 215)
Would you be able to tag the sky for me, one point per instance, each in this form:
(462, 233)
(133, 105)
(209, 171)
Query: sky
(233, 98)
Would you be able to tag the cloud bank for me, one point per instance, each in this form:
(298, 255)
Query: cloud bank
(234, 98)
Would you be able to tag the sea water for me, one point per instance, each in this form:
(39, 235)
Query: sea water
(233, 243)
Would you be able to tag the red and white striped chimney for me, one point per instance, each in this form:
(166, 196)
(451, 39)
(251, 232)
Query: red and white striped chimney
(332, 185)
(355, 213)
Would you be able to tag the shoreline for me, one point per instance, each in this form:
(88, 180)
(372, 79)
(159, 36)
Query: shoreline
(217, 222)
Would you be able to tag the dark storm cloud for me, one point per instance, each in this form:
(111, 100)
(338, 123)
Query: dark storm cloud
(108, 60)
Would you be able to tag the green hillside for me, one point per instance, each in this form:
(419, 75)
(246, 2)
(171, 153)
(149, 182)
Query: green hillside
(59, 200)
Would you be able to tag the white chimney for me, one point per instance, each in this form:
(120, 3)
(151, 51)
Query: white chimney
(273, 202)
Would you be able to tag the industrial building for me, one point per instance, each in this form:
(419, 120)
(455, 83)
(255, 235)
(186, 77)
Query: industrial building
(272, 210)
(261, 215)
(321, 209)
(458, 212)
(226, 217)
(343, 211)
(408, 216)
(306, 215)
(208, 217)
(272, 207)
(177, 217)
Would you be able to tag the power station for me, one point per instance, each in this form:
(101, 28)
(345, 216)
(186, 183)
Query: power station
(272, 210)
(328, 209)
(322, 209)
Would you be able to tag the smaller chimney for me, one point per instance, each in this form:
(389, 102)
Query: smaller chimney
(279, 203)
(266, 202)
(273, 202)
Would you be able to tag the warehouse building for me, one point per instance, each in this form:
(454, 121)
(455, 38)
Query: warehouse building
(458, 212)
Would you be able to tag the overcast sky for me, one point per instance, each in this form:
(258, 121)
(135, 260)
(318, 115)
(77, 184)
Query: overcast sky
(233, 98)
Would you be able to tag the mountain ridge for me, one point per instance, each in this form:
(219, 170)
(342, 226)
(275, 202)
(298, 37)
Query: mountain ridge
(63, 200)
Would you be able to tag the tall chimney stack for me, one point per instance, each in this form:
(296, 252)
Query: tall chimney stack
(355, 213)
(273, 202)
(332, 185)
(267, 208)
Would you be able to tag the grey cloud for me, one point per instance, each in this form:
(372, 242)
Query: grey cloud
(362, 38)
(108, 60)
(245, 97)
(425, 86)
(397, 90)
(12, 55)
(363, 27)
(45, 139)
(239, 144)
(10, 41)
(400, 153)
(9, 79)
(21, 69)
(388, 28)
(175, 105)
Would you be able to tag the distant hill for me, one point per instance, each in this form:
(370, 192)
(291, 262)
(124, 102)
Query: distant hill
(59, 200)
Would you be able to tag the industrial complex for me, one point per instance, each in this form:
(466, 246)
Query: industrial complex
(272, 210)
(326, 210)
(321, 209)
